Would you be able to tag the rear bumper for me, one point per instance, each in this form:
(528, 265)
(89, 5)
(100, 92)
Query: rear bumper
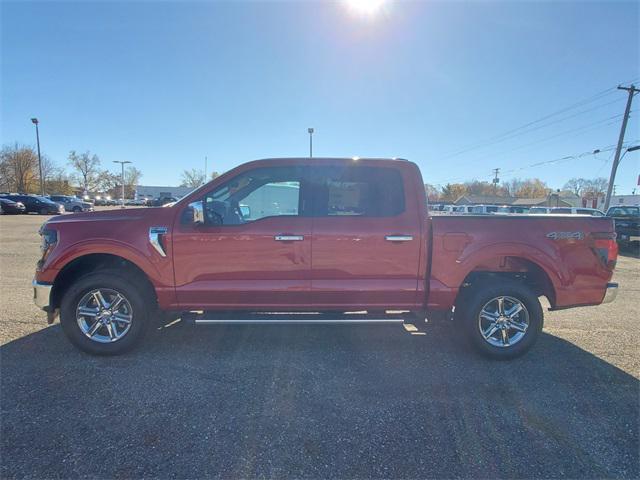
(611, 293)
(41, 294)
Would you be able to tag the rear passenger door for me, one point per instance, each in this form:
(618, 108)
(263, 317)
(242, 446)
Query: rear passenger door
(366, 238)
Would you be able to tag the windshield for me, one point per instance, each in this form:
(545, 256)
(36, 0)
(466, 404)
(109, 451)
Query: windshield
(43, 199)
(623, 212)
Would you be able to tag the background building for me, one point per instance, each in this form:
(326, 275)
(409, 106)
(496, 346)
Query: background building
(148, 191)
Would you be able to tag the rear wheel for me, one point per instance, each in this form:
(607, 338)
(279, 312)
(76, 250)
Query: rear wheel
(104, 313)
(76, 209)
(503, 320)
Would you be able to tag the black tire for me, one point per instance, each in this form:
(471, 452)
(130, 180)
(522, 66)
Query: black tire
(76, 209)
(141, 302)
(44, 211)
(478, 297)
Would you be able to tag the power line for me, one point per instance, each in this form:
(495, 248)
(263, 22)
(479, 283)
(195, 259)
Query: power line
(581, 129)
(593, 98)
(547, 124)
(509, 133)
(607, 148)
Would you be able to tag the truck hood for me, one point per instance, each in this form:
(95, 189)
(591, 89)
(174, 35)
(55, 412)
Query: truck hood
(144, 214)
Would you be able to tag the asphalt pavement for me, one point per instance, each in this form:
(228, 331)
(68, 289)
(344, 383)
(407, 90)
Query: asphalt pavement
(316, 401)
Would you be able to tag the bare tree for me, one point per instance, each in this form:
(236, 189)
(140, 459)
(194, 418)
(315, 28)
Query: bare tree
(19, 169)
(576, 185)
(432, 192)
(106, 181)
(86, 168)
(595, 187)
(132, 177)
(192, 178)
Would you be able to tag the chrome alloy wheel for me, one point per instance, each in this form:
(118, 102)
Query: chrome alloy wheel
(503, 321)
(104, 315)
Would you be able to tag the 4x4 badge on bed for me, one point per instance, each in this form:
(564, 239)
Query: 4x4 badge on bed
(565, 235)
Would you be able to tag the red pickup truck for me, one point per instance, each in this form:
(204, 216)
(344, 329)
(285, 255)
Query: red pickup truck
(328, 236)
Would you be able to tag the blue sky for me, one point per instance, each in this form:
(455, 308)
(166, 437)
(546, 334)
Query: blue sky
(164, 84)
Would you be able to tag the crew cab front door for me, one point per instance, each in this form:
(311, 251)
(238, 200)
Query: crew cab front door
(254, 248)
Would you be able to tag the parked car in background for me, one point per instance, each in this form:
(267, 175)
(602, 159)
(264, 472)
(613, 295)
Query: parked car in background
(9, 207)
(72, 204)
(37, 204)
(627, 223)
(539, 210)
(106, 201)
(162, 201)
(518, 209)
(438, 207)
(488, 209)
(577, 211)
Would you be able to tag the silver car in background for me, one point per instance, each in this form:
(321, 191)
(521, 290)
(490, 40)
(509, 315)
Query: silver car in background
(72, 204)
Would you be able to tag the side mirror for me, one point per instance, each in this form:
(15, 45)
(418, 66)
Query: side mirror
(197, 213)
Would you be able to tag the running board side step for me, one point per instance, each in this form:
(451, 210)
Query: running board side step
(311, 321)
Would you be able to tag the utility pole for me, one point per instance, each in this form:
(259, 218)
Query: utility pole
(496, 171)
(35, 122)
(310, 130)
(631, 91)
(122, 180)
(205, 169)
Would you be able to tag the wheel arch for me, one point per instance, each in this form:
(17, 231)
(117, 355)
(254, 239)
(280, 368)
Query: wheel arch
(510, 268)
(93, 262)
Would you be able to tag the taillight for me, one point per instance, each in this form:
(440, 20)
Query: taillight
(606, 248)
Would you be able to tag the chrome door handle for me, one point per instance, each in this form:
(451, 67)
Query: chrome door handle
(398, 238)
(288, 238)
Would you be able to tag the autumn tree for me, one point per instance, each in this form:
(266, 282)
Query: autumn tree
(19, 169)
(86, 169)
(192, 178)
(452, 191)
(214, 175)
(476, 187)
(527, 188)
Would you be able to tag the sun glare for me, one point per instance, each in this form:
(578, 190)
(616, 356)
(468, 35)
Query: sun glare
(365, 7)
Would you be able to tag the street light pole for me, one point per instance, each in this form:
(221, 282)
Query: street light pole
(310, 130)
(122, 180)
(35, 122)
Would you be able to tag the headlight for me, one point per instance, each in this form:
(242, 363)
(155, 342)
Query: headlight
(48, 240)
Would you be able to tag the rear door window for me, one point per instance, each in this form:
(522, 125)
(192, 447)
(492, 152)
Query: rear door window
(357, 191)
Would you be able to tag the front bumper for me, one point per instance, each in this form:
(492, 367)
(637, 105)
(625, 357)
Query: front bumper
(611, 293)
(41, 294)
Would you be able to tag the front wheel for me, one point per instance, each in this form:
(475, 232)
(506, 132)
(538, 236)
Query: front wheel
(104, 313)
(502, 320)
(76, 209)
